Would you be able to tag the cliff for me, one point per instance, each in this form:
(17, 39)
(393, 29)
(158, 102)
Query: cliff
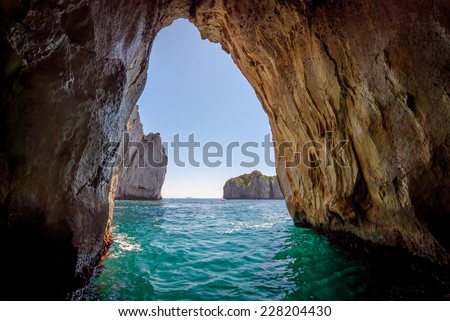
(371, 74)
(252, 186)
(144, 164)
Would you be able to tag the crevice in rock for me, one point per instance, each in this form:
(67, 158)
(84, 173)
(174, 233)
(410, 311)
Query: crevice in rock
(410, 103)
(193, 8)
(360, 197)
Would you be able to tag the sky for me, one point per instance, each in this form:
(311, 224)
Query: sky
(194, 88)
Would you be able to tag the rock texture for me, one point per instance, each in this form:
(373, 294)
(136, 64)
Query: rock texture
(252, 186)
(374, 73)
(144, 163)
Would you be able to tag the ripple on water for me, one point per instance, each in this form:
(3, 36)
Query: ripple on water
(215, 250)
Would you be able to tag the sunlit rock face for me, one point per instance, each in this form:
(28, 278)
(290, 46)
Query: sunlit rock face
(144, 163)
(373, 74)
(252, 186)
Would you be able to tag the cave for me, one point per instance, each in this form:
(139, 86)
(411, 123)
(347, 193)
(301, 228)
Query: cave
(373, 74)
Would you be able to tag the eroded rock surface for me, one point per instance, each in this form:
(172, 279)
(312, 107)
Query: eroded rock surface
(252, 186)
(144, 163)
(373, 73)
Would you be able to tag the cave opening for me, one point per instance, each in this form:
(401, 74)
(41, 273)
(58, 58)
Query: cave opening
(194, 89)
(206, 114)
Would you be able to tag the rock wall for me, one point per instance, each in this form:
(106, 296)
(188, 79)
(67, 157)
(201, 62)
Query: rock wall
(252, 186)
(144, 163)
(371, 74)
(374, 74)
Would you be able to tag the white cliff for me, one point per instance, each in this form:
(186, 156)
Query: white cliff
(144, 163)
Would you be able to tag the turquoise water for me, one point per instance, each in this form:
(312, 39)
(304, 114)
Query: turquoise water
(199, 249)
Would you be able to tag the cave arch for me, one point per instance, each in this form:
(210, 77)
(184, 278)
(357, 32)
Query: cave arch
(194, 87)
(72, 72)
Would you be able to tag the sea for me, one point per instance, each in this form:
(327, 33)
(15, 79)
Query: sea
(214, 249)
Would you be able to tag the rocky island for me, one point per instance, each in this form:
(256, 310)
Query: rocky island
(142, 176)
(252, 186)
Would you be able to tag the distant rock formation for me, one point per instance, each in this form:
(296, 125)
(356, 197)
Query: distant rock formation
(252, 186)
(145, 166)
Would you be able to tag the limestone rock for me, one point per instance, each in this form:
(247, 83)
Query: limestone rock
(252, 186)
(373, 73)
(144, 164)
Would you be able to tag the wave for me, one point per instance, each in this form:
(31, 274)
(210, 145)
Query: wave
(124, 243)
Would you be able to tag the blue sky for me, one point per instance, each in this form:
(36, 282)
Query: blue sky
(194, 87)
